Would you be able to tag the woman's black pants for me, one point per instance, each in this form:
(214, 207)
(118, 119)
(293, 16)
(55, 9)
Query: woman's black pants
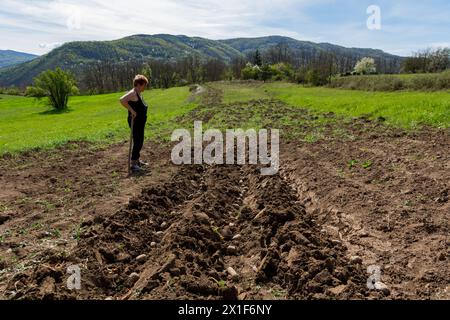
(138, 135)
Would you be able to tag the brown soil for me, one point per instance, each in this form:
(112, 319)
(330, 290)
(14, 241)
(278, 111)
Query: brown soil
(47, 196)
(338, 205)
(394, 214)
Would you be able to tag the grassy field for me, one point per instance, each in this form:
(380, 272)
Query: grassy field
(395, 82)
(401, 109)
(27, 124)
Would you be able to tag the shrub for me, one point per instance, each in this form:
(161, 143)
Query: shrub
(282, 71)
(266, 73)
(443, 82)
(300, 75)
(12, 91)
(251, 72)
(315, 78)
(56, 86)
(366, 66)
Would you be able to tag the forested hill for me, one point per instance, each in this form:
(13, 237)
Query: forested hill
(10, 58)
(76, 55)
(247, 45)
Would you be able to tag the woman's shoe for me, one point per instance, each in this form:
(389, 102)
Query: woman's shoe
(136, 169)
(142, 163)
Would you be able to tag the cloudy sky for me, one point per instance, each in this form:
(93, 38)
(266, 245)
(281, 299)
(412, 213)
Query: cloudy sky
(37, 26)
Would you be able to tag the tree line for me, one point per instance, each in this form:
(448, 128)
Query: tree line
(108, 76)
(428, 61)
(274, 64)
(279, 62)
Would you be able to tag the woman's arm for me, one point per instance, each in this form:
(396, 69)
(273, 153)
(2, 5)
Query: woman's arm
(130, 96)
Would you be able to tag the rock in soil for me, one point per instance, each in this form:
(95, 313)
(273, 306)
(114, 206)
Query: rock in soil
(231, 250)
(356, 259)
(233, 274)
(142, 258)
(380, 286)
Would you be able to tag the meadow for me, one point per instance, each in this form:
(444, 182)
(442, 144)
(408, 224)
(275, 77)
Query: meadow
(26, 123)
(405, 109)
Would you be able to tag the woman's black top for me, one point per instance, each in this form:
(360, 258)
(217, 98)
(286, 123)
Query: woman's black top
(139, 106)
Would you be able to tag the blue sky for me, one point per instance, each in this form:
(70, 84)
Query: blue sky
(37, 26)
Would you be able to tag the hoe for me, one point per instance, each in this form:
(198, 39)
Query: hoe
(130, 149)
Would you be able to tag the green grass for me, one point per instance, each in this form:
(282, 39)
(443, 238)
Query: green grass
(26, 123)
(395, 82)
(234, 92)
(400, 109)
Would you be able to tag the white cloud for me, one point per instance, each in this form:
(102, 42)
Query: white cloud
(440, 45)
(50, 46)
(26, 24)
(116, 17)
(61, 21)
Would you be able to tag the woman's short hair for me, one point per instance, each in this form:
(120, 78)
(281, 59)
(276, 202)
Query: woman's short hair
(140, 80)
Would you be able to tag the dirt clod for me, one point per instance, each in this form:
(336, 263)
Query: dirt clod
(141, 258)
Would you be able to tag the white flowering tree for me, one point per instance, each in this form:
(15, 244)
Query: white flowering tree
(366, 66)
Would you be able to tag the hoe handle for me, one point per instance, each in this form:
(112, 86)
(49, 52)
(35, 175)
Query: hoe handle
(131, 146)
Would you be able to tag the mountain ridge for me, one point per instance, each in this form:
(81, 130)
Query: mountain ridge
(76, 55)
(10, 58)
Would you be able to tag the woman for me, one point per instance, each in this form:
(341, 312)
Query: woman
(137, 118)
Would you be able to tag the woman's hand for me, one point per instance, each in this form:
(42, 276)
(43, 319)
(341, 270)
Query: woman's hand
(130, 96)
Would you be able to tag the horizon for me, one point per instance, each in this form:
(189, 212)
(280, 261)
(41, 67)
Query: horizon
(37, 27)
(183, 35)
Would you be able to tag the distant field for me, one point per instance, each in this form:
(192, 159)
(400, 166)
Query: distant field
(398, 82)
(401, 109)
(26, 123)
